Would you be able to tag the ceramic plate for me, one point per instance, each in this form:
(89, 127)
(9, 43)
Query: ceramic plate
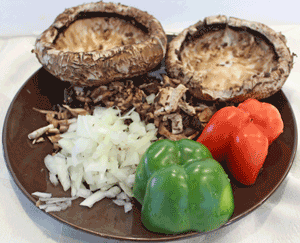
(25, 162)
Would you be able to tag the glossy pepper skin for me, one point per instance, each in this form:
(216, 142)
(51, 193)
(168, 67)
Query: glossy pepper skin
(182, 188)
(241, 136)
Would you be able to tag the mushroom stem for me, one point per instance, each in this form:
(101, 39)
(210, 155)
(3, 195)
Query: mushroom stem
(76, 111)
(54, 138)
(45, 111)
(39, 132)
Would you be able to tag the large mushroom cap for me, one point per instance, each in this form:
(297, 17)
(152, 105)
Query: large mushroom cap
(229, 59)
(95, 43)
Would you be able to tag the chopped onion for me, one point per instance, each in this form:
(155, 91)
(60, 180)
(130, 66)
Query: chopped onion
(99, 195)
(42, 194)
(103, 152)
(57, 199)
(119, 202)
(53, 179)
(53, 208)
(53, 204)
(123, 196)
(127, 207)
(83, 192)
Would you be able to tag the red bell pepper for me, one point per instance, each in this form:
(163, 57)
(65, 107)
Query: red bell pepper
(241, 136)
(265, 116)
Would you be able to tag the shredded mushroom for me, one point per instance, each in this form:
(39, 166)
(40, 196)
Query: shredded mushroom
(171, 104)
(39, 132)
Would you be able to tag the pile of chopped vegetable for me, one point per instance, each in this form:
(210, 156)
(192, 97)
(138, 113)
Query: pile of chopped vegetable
(99, 155)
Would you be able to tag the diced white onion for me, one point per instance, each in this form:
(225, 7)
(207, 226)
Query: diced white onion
(57, 199)
(83, 192)
(44, 206)
(72, 127)
(127, 207)
(53, 204)
(123, 196)
(53, 208)
(119, 202)
(99, 195)
(42, 194)
(102, 151)
(53, 179)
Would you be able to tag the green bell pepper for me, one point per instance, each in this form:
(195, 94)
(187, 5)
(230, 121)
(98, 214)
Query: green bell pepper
(182, 188)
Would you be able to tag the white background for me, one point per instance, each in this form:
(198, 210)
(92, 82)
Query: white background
(276, 221)
(27, 17)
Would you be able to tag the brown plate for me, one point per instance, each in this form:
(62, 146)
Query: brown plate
(25, 162)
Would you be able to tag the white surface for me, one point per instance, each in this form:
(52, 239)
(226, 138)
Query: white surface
(25, 17)
(277, 220)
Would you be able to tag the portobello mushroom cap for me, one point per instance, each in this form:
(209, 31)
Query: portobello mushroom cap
(229, 59)
(95, 43)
